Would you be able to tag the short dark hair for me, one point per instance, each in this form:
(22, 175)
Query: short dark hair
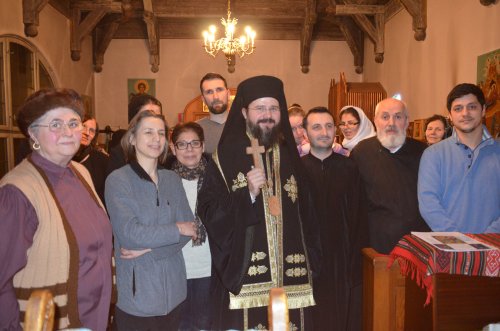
(184, 127)
(138, 101)
(351, 111)
(210, 76)
(296, 110)
(463, 89)
(43, 101)
(132, 130)
(316, 110)
(436, 117)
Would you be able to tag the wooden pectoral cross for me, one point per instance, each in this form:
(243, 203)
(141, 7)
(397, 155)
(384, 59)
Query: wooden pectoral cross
(255, 150)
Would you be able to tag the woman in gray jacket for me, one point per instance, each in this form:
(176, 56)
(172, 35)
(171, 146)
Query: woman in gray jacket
(151, 218)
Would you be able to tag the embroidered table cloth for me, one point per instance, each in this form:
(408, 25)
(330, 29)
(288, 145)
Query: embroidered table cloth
(420, 260)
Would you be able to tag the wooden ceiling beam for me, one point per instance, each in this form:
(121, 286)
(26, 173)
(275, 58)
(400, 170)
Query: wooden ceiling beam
(153, 35)
(101, 38)
(355, 39)
(306, 35)
(418, 11)
(375, 33)
(82, 28)
(111, 6)
(350, 9)
(31, 11)
(392, 7)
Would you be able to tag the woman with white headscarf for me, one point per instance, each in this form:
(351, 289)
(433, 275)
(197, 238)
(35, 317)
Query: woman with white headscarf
(355, 126)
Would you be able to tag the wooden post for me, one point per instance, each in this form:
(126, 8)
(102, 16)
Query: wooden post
(277, 311)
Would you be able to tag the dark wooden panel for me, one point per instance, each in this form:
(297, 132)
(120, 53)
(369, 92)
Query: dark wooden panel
(464, 302)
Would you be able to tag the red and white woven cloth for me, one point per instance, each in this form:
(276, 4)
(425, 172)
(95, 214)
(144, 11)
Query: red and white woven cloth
(420, 260)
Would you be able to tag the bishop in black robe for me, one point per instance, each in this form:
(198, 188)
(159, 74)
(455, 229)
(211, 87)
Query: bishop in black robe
(341, 211)
(252, 250)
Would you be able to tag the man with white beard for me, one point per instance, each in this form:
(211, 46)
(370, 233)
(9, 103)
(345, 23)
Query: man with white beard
(388, 164)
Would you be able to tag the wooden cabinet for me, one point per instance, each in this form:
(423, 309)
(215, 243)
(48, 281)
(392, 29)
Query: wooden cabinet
(362, 95)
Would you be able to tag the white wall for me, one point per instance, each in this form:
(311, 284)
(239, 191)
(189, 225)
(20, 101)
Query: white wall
(53, 42)
(183, 63)
(425, 71)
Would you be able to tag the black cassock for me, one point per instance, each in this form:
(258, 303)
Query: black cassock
(390, 182)
(253, 252)
(340, 206)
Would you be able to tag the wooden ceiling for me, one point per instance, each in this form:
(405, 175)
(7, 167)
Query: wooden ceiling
(304, 20)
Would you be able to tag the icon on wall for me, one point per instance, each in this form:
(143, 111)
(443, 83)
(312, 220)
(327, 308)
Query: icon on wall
(138, 86)
(488, 79)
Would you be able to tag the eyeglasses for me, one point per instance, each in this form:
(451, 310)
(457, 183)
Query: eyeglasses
(298, 127)
(262, 109)
(350, 124)
(57, 126)
(185, 144)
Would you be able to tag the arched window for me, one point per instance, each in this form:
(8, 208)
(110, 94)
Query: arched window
(23, 70)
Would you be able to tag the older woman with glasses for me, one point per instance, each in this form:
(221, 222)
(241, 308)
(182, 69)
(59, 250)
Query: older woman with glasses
(54, 231)
(355, 126)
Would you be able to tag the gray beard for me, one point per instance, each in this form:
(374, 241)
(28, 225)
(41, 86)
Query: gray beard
(391, 142)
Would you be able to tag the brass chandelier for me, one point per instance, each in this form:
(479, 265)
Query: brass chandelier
(229, 45)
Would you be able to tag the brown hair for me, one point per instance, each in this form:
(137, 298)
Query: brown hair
(45, 100)
(127, 146)
(138, 101)
(86, 118)
(296, 110)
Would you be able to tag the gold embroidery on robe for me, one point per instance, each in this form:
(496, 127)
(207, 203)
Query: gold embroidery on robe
(255, 270)
(257, 256)
(291, 188)
(239, 182)
(296, 258)
(257, 295)
(296, 272)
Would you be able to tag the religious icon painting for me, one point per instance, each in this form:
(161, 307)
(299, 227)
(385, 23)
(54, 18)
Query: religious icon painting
(488, 79)
(138, 86)
(418, 129)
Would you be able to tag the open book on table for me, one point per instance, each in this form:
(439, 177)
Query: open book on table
(452, 241)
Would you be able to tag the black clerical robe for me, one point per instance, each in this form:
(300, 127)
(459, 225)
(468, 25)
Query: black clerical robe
(341, 212)
(390, 180)
(253, 251)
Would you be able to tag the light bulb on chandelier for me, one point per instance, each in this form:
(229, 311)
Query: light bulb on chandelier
(229, 45)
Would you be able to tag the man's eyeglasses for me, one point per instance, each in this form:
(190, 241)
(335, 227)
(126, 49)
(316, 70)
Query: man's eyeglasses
(263, 109)
(185, 144)
(57, 126)
(349, 124)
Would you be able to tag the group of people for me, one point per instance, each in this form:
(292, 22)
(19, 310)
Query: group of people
(207, 221)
